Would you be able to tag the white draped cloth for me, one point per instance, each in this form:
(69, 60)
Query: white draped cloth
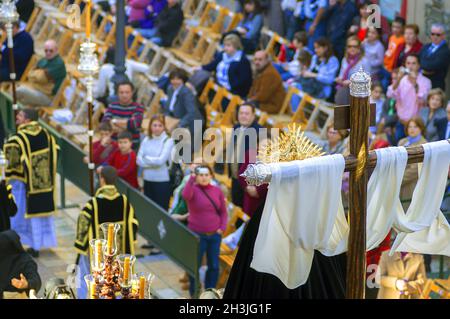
(304, 211)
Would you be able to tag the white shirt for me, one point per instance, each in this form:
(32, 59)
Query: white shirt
(173, 100)
(107, 71)
(153, 156)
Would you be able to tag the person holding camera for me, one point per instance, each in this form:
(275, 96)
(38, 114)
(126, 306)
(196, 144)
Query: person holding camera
(410, 92)
(208, 218)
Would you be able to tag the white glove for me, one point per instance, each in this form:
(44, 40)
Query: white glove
(400, 284)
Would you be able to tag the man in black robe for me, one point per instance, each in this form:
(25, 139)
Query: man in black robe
(326, 279)
(8, 206)
(18, 271)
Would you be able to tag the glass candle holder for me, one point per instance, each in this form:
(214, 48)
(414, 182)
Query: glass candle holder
(110, 231)
(98, 248)
(142, 282)
(91, 286)
(126, 262)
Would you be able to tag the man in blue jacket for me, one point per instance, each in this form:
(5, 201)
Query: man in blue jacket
(23, 51)
(443, 125)
(339, 17)
(435, 57)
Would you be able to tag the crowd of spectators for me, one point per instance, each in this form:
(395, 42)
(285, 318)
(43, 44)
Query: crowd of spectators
(330, 41)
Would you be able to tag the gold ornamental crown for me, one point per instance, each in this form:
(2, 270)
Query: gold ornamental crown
(290, 145)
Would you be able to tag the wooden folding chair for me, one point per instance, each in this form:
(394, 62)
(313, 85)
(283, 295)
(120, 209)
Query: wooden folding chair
(101, 36)
(160, 64)
(191, 8)
(212, 97)
(33, 18)
(46, 111)
(274, 43)
(46, 29)
(212, 18)
(139, 43)
(228, 117)
(197, 48)
(31, 64)
(228, 255)
(437, 287)
(321, 116)
(285, 115)
(38, 23)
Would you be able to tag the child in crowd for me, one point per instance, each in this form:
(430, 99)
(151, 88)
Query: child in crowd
(290, 70)
(389, 116)
(105, 147)
(395, 41)
(307, 85)
(377, 98)
(124, 159)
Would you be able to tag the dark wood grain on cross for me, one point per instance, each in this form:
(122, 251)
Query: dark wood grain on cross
(357, 117)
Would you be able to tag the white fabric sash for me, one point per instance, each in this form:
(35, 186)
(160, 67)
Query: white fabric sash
(383, 193)
(303, 212)
(423, 228)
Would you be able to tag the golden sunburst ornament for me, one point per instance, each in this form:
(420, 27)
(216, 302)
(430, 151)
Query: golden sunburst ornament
(291, 145)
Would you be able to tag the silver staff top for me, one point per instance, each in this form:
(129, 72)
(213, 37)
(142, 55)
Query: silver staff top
(257, 174)
(8, 12)
(360, 84)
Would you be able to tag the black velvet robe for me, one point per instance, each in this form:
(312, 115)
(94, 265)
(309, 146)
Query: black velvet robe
(326, 279)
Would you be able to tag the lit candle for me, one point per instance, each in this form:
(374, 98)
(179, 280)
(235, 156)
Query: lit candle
(141, 287)
(110, 238)
(126, 269)
(92, 287)
(98, 251)
(88, 20)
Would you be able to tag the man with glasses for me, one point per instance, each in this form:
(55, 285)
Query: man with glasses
(435, 57)
(44, 80)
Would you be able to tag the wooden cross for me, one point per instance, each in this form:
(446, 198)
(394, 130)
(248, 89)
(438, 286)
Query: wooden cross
(357, 117)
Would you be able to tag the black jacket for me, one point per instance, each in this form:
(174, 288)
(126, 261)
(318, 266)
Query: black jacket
(169, 23)
(239, 74)
(8, 206)
(15, 261)
(436, 63)
(25, 9)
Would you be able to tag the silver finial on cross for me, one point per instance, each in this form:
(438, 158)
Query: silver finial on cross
(360, 84)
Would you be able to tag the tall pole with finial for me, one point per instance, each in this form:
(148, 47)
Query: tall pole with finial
(88, 65)
(8, 16)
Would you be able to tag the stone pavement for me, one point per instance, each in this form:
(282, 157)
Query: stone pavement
(59, 261)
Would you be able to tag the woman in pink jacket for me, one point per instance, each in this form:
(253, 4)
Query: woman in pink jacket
(207, 218)
(137, 9)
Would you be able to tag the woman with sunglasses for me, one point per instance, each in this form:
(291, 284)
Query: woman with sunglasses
(207, 218)
(353, 60)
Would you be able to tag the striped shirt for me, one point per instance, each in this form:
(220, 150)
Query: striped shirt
(133, 112)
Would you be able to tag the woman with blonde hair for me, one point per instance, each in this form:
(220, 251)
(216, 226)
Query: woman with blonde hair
(232, 68)
(154, 158)
(432, 113)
